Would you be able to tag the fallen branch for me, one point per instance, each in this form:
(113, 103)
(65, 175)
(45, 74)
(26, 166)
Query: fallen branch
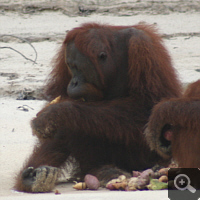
(22, 39)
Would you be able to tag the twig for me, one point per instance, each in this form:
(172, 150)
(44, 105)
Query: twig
(18, 53)
(22, 39)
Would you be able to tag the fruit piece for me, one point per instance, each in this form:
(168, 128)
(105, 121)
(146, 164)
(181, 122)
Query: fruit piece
(163, 179)
(80, 186)
(156, 185)
(92, 182)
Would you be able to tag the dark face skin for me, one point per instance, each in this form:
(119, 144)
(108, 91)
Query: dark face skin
(100, 69)
(85, 83)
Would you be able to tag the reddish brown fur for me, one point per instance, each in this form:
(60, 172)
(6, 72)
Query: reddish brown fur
(193, 90)
(153, 60)
(109, 131)
(184, 115)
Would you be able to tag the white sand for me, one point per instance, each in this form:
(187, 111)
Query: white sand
(16, 141)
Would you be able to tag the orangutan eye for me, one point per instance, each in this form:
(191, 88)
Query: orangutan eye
(102, 56)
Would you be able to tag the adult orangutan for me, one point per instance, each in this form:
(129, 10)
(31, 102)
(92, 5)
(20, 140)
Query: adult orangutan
(108, 79)
(174, 128)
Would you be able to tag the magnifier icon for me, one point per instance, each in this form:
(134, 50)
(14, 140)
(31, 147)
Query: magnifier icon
(182, 182)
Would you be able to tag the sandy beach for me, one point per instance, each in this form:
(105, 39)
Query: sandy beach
(21, 79)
